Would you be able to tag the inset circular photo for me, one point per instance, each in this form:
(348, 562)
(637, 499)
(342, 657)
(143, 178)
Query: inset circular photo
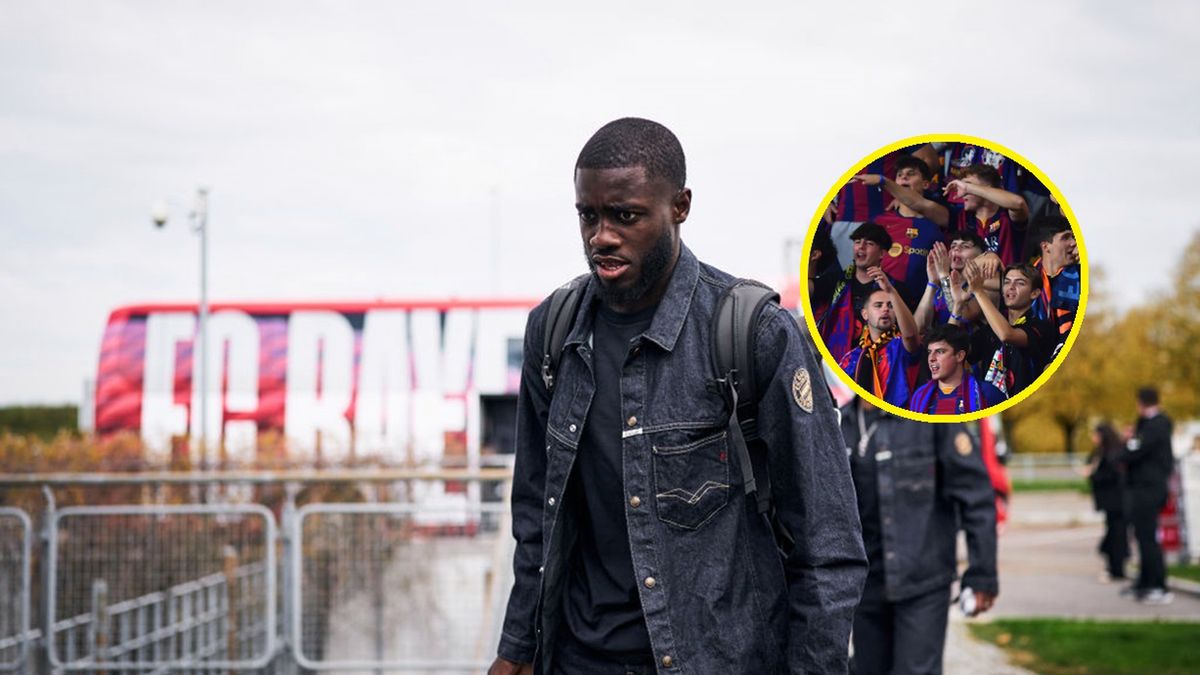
(945, 278)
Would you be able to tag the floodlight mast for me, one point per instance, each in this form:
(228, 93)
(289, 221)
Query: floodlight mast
(199, 223)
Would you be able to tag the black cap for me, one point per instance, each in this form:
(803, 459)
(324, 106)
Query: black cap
(873, 232)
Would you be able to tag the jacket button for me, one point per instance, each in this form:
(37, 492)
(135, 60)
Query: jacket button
(632, 421)
(542, 569)
(572, 428)
(635, 501)
(649, 582)
(887, 520)
(890, 555)
(667, 661)
(550, 501)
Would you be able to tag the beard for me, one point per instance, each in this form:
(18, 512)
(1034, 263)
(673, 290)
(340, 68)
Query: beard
(653, 268)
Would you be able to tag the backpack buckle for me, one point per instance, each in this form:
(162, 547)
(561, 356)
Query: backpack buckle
(547, 373)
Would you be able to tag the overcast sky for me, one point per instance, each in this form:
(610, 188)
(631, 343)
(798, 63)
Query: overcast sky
(398, 149)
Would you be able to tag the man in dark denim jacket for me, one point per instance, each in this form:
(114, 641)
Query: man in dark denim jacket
(917, 485)
(709, 588)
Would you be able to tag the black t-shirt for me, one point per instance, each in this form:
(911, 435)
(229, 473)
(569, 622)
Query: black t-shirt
(603, 610)
(1010, 368)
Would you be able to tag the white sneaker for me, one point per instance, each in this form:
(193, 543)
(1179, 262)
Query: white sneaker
(1157, 596)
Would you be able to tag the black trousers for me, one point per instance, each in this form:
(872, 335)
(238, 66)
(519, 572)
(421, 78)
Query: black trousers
(1115, 545)
(1145, 503)
(900, 638)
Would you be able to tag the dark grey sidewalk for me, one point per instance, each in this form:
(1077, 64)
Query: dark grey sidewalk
(1049, 565)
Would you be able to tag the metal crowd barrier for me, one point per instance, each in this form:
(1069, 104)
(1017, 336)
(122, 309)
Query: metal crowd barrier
(107, 562)
(416, 584)
(16, 540)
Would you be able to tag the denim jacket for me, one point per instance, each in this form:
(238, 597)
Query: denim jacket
(932, 482)
(716, 593)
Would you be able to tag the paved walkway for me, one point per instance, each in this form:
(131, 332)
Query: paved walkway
(1049, 567)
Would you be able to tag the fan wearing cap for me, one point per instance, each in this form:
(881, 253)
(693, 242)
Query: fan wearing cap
(885, 362)
(837, 295)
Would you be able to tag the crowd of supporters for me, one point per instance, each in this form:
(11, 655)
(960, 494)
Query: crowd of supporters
(944, 278)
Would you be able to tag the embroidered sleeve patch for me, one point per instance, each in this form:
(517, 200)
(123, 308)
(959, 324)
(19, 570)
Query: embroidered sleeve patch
(962, 443)
(802, 390)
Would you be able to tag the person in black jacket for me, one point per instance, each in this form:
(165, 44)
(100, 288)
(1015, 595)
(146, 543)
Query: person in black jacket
(917, 485)
(1149, 462)
(1108, 493)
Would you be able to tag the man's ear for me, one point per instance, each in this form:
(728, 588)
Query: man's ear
(681, 205)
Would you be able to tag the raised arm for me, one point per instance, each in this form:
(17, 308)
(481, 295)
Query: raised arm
(996, 320)
(1018, 210)
(904, 318)
(910, 198)
(925, 310)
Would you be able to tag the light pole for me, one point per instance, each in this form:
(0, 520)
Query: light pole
(199, 221)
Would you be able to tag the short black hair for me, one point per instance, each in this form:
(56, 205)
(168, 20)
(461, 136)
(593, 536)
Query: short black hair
(872, 232)
(971, 236)
(1147, 396)
(1047, 226)
(952, 335)
(632, 141)
(907, 161)
(984, 172)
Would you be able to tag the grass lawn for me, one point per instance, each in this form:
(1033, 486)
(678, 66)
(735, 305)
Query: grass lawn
(1051, 485)
(1189, 572)
(1062, 646)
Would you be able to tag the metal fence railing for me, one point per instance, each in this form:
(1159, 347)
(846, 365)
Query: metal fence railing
(1039, 467)
(161, 587)
(383, 570)
(15, 546)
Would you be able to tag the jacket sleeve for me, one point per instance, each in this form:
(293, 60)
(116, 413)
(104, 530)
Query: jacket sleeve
(1153, 439)
(966, 483)
(518, 637)
(813, 495)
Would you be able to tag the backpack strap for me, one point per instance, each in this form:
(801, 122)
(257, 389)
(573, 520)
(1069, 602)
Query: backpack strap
(734, 325)
(560, 316)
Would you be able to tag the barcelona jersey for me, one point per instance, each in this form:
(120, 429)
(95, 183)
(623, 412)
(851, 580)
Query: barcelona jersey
(912, 239)
(970, 396)
(859, 203)
(895, 371)
(1002, 235)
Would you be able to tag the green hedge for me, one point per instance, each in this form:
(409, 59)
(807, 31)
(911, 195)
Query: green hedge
(43, 421)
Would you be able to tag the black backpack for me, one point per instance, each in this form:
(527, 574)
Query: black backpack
(732, 357)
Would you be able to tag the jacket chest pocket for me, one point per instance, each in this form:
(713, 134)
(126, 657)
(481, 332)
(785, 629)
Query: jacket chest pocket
(915, 471)
(691, 477)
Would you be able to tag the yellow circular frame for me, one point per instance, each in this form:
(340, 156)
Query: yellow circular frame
(832, 194)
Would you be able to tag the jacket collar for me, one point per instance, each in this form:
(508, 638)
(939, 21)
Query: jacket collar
(668, 318)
